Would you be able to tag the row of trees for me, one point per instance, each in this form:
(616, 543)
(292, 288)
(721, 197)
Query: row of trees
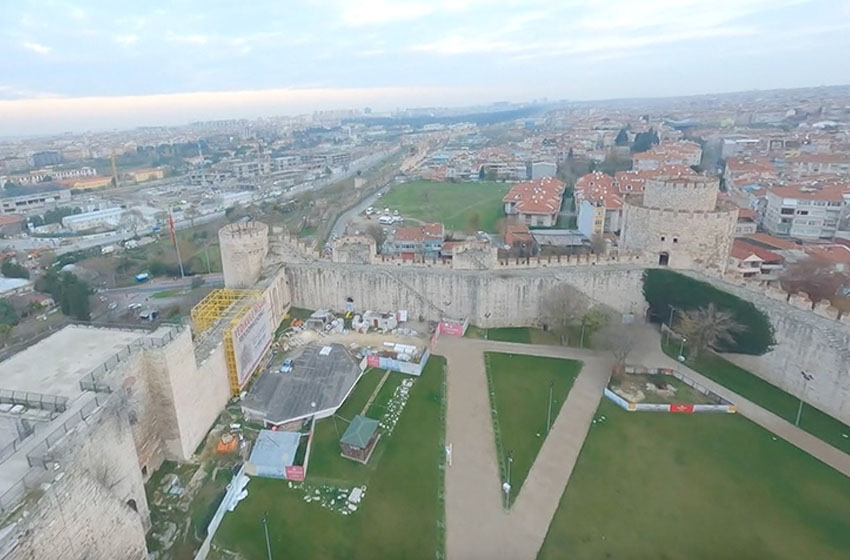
(69, 291)
(54, 215)
(11, 269)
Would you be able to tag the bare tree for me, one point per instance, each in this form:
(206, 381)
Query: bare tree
(598, 244)
(817, 279)
(620, 339)
(706, 327)
(191, 212)
(377, 233)
(134, 219)
(561, 307)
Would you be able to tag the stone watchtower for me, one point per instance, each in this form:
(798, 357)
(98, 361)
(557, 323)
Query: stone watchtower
(680, 222)
(243, 245)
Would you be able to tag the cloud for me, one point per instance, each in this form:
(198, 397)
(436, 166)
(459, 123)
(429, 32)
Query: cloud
(8, 92)
(37, 48)
(126, 39)
(188, 39)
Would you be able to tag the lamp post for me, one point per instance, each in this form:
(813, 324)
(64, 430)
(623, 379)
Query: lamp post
(507, 485)
(670, 322)
(549, 414)
(806, 378)
(266, 531)
(682, 349)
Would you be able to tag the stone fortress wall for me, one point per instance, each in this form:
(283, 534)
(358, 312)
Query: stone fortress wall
(495, 293)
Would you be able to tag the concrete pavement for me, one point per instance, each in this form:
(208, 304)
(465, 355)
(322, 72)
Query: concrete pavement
(476, 524)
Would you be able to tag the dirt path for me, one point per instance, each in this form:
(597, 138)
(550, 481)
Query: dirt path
(476, 524)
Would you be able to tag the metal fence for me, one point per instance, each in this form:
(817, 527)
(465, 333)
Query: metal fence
(52, 403)
(40, 454)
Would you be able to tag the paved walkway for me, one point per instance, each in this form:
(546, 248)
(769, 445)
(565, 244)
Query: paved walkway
(476, 525)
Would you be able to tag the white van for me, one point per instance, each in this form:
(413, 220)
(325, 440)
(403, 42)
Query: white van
(385, 220)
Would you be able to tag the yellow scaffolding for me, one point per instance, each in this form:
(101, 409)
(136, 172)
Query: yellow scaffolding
(224, 308)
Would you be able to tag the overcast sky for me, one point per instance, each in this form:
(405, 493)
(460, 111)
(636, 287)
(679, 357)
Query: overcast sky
(93, 64)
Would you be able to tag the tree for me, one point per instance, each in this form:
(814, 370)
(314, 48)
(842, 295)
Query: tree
(134, 219)
(191, 212)
(376, 232)
(593, 321)
(491, 175)
(598, 244)
(5, 334)
(706, 327)
(8, 315)
(645, 140)
(817, 279)
(11, 269)
(473, 221)
(620, 339)
(622, 138)
(561, 308)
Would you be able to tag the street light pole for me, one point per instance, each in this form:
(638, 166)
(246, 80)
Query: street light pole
(266, 531)
(682, 348)
(549, 415)
(806, 378)
(510, 460)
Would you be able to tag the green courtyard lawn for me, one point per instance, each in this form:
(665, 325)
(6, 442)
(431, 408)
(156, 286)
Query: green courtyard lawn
(771, 397)
(698, 486)
(519, 397)
(456, 205)
(402, 513)
(527, 335)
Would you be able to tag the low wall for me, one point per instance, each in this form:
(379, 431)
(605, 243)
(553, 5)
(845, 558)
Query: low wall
(723, 405)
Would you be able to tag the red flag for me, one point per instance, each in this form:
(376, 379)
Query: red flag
(171, 226)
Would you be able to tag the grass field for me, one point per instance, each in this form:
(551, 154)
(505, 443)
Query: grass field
(402, 513)
(526, 335)
(519, 395)
(456, 205)
(769, 396)
(697, 487)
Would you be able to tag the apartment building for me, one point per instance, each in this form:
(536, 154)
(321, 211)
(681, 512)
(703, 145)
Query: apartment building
(416, 241)
(805, 165)
(535, 203)
(35, 202)
(805, 211)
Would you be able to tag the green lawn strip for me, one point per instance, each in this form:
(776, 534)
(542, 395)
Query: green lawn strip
(525, 335)
(379, 405)
(767, 395)
(398, 517)
(166, 294)
(519, 398)
(449, 203)
(697, 487)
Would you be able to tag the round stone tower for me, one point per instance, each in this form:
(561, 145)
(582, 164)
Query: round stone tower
(243, 245)
(679, 221)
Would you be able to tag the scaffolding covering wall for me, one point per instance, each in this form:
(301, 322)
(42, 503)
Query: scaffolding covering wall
(217, 317)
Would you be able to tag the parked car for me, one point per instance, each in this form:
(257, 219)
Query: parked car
(286, 366)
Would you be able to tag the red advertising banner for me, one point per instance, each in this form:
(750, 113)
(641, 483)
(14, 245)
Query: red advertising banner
(373, 360)
(451, 329)
(682, 408)
(294, 472)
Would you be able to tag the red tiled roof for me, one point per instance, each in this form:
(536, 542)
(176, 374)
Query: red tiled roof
(835, 254)
(746, 214)
(7, 219)
(540, 196)
(773, 242)
(741, 250)
(428, 232)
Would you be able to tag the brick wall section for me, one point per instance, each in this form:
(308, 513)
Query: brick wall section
(85, 515)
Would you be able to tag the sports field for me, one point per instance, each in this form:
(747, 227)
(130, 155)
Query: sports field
(519, 387)
(467, 207)
(697, 487)
(401, 514)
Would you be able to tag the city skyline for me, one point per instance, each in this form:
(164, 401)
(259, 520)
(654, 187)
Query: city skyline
(78, 67)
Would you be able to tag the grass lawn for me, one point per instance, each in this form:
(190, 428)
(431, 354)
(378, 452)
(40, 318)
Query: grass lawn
(771, 397)
(453, 204)
(527, 335)
(519, 395)
(698, 486)
(400, 516)
(167, 294)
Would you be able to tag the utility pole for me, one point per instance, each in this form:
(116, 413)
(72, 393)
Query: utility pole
(549, 415)
(266, 531)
